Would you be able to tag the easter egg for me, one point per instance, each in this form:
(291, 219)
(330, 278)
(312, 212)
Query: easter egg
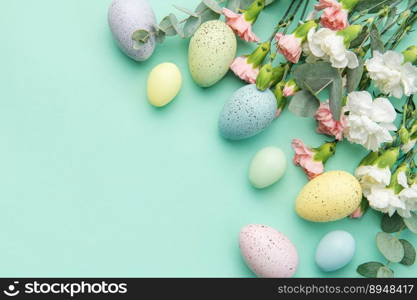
(168, 76)
(267, 167)
(335, 250)
(127, 16)
(211, 52)
(248, 112)
(267, 252)
(329, 197)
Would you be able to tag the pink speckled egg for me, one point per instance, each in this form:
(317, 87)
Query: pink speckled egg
(267, 252)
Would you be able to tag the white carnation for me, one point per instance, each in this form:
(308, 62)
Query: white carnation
(369, 122)
(385, 200)
(391, 75)
(325, 44)
(409, 197)
(372, 176)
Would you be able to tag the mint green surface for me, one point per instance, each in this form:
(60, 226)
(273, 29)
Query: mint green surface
(96, 182)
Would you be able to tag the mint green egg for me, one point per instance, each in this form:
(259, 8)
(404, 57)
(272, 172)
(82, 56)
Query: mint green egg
(267, 167)
(211, 51)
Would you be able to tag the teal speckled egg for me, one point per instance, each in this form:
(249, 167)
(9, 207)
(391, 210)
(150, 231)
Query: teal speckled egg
(335, 250)
(211, 52)
(248, 112)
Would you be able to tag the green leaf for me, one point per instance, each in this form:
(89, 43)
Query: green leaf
(391, 17)
(318, 76)
(185, 10)
(411, 222)
(409, 253)
(376, 42)
(373, 5)
(233, 5)
(213, 5)
(166, 26)
(140, 37)
(390, 247)
(392, 224)
(160, 36)
(336, 97)
(369, 269)
(191, 25)
(385, 272)
(304, 104)
(206, 13)
(354, 76)
(361, 37)
(175, 25)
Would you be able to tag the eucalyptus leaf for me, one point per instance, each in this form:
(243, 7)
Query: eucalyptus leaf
(385, 272)
(140, 37)
(392, 224)
(175, 25)
(361, 38)
(369, 269)
(411, 223)
(206, 13)
(409, 253)
(213, 5)
(166, 26)
(336, 97)
(160, 36)
(185, 10)
(390, 247)
(304, 104)
(376, 42)
(233, 5)
(191, 25)
(372, 5)
(354, 76)
(317, 76)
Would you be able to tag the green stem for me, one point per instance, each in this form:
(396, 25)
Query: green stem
(292, 17)
(282, 21)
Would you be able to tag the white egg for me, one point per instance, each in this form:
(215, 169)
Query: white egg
(267, 167)
(164, 83)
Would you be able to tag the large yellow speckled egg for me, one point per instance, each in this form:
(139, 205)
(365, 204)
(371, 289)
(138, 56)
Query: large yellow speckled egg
(211, 52)
(329, 197)
(164, 83)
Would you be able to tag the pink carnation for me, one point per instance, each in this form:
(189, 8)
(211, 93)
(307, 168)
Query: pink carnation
(334, 18)
(244, 70)
(240, 26)
(289, 46)
(326, 4)
(289, 91)
(357, 214)
(326, 124)
(304, 157)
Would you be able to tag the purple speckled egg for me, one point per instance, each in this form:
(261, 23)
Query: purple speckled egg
(267, 252)
(127, 16)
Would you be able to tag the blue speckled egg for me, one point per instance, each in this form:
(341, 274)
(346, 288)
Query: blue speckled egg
(335, 250)
(248, 112)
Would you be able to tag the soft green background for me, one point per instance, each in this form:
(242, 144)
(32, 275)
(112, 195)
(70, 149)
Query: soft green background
(96, 182)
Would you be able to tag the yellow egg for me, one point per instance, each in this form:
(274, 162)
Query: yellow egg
(164, 83)
(329, 197)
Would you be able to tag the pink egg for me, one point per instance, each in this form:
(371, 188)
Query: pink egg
(267, 252)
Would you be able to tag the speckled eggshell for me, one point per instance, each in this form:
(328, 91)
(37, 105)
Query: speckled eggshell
(248, 112)
(211, 52)
(329, 197)
(267, 252)
(127, 16)
(335, 250)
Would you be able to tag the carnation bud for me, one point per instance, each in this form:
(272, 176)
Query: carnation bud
(388, 158)
(369, 159)
(410, 54)
(258, 56)
(349, 4)
(404, 16)
(361, 210)
(277, 74)
(350, 33)
(279, 95)
(253, 11)
(325, 151)
(290, 88)
(263, 81)
(302, 30)
(404, 135)
(394, 185)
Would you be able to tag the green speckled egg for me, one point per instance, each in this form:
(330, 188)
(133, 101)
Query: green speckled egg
(329, 197)
(211, 52)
